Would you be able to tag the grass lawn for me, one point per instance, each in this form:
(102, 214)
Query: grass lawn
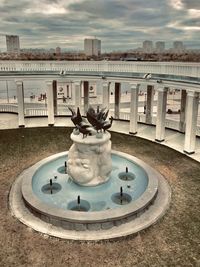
(173, 241)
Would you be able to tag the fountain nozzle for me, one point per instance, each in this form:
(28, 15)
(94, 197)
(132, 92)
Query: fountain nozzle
(65, 166)
(121, 194)
(78, 201)
(51, 183)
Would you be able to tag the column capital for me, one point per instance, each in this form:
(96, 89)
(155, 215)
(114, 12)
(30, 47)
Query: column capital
(78, 82)
(19, 82)
(192, 93)
(62, 80)
(162, 89)
(49, 82)
(106, 83)
(134, 85)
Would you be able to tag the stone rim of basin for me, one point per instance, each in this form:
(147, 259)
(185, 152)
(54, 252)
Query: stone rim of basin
(90, 217)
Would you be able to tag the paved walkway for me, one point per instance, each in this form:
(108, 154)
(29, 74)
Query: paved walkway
(173, 139)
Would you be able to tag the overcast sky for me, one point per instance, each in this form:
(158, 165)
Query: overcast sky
(120, 24)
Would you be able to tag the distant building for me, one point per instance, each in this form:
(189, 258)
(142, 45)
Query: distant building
(160, 47)
(12, 43)
(147, 46)
(92, 47)
(51, 50)
(34, 50)
(58, 51)
(178, 46)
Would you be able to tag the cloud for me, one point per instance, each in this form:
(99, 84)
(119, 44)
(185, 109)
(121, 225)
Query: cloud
(191, 4)
(119, 24)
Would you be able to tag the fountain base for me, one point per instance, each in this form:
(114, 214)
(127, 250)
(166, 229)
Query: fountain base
(114, 216)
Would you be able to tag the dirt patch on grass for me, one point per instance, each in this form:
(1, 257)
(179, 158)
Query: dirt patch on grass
(173, 241)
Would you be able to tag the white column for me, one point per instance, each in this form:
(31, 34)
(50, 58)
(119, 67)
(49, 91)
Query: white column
(191, 121)
(134, 108)
(106, 95)
(149, 104)
(77, 90)
(182, 111)
(50, 103)
(117, 99)
(20, 100)
(161, 114)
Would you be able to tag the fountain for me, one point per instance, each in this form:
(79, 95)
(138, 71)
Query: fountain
(91, 188)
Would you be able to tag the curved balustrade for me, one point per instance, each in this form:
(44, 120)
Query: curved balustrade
(9, 108)
(35, 112)
(163, 70)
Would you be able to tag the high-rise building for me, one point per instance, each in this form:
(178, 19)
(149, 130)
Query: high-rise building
(92, 47)
(147, 46)
(160, 47)
(12, 43)
(178, 46)
(58, 50)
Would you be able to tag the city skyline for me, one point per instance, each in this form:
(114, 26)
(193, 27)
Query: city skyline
(119, 25)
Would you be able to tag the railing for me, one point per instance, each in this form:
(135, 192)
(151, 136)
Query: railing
(166, 68)
(171, 124)
(10, 108)
(63, 111)
(35, 112)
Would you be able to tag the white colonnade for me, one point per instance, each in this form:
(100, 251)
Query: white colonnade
(188, 107)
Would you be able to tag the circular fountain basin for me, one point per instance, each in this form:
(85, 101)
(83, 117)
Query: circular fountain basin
(100, 207)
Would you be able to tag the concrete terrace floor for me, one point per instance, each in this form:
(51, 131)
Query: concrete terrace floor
(173, 139)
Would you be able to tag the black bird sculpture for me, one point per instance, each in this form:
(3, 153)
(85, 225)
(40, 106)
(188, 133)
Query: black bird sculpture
(77, 118)
(97, 114)
(107, 124)
(95, 122)
(92, 111)
(97, 119)
(105, 115)
(84, 129)
(101, 113)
